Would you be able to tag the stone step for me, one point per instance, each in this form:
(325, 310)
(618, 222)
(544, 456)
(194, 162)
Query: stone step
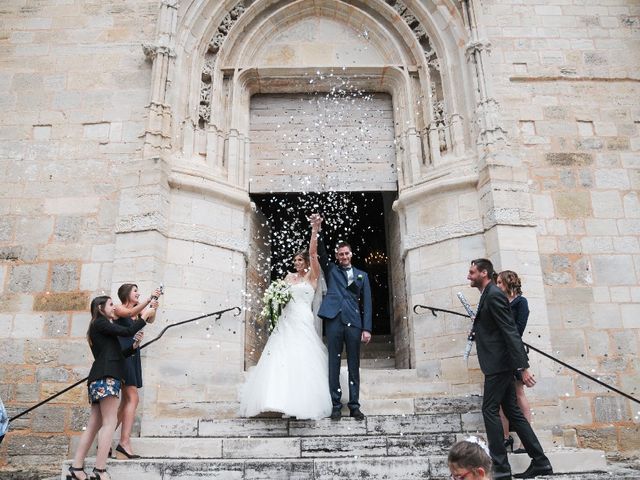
(374, 363)
(568, 465)
(294, 447)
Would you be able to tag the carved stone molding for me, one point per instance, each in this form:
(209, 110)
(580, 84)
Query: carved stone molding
(151, 51)
(477, 46)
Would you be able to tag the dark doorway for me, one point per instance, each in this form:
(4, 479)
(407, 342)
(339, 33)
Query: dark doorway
(355, 217)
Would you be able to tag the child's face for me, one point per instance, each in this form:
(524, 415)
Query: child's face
(459, 473)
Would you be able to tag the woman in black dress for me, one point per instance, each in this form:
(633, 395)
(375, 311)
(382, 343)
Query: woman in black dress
(509, 282)
(104, 385)
(130, 310)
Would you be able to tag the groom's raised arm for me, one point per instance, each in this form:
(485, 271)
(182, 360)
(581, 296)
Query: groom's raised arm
(322, 255)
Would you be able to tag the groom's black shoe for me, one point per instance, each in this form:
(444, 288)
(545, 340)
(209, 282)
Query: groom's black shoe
(534, 470)
(357, 414)
(336, 414)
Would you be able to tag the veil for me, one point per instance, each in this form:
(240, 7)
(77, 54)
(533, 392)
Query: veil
(321, 289)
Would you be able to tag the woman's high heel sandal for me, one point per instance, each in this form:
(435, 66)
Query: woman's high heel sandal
(72, 473)
(508, 443)
(121, 454)
(97, 473)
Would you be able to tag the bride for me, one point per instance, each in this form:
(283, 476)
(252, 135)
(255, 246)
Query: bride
(292, 374)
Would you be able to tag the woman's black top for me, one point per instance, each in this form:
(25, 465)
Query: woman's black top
(107, 353)
(133, 363)
(520, 311)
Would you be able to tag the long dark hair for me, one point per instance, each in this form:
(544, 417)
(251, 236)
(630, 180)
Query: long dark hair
(125, 290)
(97, 309)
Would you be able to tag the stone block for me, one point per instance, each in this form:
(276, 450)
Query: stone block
(326, 427)
(33, 230)
(394, 425)
(420, 445)
(613, 178)
(435, 405)
(613, 270)
(58, 302)
(630, 315)
(48, 419)
(407, 468)
(68, 228)
(603, 438)
(64, 277)
(569, 159)
(279, 469)
(28, 278)
(241, 427)
(629, 438)
(573, 204)
(261, 448)
(28, 326)
(350, 446)
(607, 204)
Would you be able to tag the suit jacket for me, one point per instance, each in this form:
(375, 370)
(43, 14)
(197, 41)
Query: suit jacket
(342, 298)
(107, 353)
(499, 345)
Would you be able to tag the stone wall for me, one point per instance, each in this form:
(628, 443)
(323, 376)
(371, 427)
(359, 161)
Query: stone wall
(74, 90)
(76, 192)
(566, 74)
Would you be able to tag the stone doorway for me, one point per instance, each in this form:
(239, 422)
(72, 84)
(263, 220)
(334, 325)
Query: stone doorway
(361, 218)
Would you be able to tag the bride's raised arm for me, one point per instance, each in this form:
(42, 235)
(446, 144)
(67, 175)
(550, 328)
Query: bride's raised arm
(314, 264)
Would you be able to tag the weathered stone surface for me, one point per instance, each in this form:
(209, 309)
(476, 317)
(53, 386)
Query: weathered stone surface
(569, 159)
(28, 278)
(404, 467)
(414, 424)
(435, 405)
(262, 427)
(64, 277)
(343, 446)
(57, 302)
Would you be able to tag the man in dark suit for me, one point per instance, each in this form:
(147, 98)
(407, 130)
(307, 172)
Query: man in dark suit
(500, 354)
(346, 324)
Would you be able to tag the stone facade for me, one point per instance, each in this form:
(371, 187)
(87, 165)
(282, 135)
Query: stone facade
(126, 156)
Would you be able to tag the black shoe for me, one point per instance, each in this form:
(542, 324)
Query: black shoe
(357, 414)
(508, 443)
(535, 470)
(336, 414)
(519, 450)
(121, 454)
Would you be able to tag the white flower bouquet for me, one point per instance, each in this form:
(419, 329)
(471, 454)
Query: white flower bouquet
(275, 297)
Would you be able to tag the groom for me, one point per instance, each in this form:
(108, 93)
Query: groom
(345, 322)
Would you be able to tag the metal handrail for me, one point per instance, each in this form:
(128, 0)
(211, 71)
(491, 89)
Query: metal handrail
(564, 364)
(217, 314)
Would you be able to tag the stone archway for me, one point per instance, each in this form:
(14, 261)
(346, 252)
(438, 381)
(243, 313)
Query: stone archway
(224, 53)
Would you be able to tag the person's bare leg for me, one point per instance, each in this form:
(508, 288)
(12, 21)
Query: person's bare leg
(127, 411)
(523, 403)
(109, 410)
(86, 439)
(505, 424)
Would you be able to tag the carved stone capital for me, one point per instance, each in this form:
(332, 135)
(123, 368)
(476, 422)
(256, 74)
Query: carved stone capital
(481, 45)
(151, 51)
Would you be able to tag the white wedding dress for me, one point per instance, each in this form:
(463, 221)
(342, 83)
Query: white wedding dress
(291, 376)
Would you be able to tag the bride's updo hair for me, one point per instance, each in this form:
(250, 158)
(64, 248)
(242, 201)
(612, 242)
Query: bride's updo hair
(304, 254)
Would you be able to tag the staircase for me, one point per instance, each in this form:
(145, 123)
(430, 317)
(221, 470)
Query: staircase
(394, 446)
(378, 354)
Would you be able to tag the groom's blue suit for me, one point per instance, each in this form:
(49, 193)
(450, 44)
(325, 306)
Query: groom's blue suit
(344, 322)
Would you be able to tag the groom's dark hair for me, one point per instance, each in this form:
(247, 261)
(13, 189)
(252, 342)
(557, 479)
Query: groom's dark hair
(343, 244)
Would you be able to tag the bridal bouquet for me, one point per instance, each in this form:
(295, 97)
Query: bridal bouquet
(275, 297)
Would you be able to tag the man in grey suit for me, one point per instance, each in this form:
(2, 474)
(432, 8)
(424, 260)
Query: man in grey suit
(501, 354)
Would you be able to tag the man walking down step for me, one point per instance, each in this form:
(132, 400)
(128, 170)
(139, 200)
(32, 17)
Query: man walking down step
(500, 354)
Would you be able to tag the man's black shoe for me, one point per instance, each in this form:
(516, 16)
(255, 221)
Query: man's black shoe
(336, 414)
(357, 414)
(535, 470)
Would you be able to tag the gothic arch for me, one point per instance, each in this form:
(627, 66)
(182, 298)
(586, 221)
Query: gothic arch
(423, 40)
